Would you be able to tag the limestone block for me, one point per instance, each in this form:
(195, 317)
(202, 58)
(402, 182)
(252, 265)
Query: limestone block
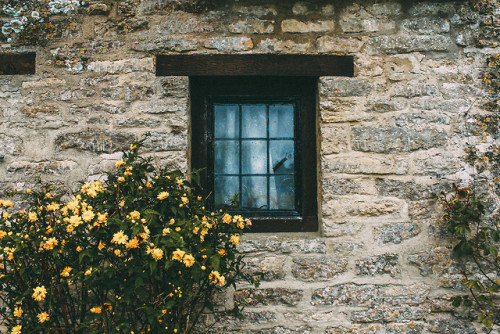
(395, 233)
(98, 108)
(334, 185)
(389, 314)
(451, 325)
(353, 294)
(347, 248)
(364, 164)
(409, 119)
(258, 11)
(411, 190)
(44, 83)
(343, 207)
(414, 89)
(342, 110)
(442, 163)
(229, 44)
(356, 329)
(357, 25)
(166, 141)
(283, 245)
(378, 265)
(318, 269)
(337, 86)
(129, 93)
(427, 9)
(38, 110)
(334, 138)
(395, 139)
(270, 266)
(11, 145)
(252, 27)
(269, 296)
(274, 45)
(452, 106)
(94, 141)
(30, 168)
(437, 261)
(138, 123)
(123, 66)
(338, 44)
(167, 43)
(426, 26)
(405, 44)
(296, 26)
(387, 9)
(333, 228)
(163, 106)
(178, 22)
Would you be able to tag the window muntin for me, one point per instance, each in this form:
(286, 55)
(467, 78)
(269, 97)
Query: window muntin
(254, 148)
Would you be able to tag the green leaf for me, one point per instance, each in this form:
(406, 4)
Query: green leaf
(151, 212)
(215, 262)
(456, 301)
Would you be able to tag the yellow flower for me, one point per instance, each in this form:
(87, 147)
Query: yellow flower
(75, 221)
(156, 253)
(215, 277)
(2, 234)
(101, 245)
(184, 200)
(53, 206)
(32, 217)
(133, 147)
(102, 218)
(18, 312)
(16, 329)
(222, 252)
(65, 272)
(79, 249)
(121, 179)
(133, 243)
(188, 260)
(87, 215)
(7, 203)
(69, 228)
(50, 243)
(179, 181)
(178, 255)
(6, 215)
(235, 240)
(135, 215)
(48, 195)
(195, 230)
(119, 238)
(118, 252)
(163, 195)
(28, 191)
(122, 203)
(42, 317)
(226, 218)
(119, 163)
(96, 310)
(166, 231)
(88, 272)
(172, 221)
(39, 293)
(177, 229)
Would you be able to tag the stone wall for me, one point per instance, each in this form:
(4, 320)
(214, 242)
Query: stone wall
(389, 137)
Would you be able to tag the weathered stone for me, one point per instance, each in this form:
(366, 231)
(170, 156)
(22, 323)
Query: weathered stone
(295, 26)
(388, 314)
(283, 330)
(337, 86)
(122, 66)
(98, 9)
(166, 141)
(335, 138)
(36, 111)
(432, 9)
(139, 122)
(387, 9)
(356, 25)
(301, 8)
(270, 267)
(414, 89)
(346, 186)
(170, 105)
(129, 93)
(44, 83)
(229, 44)
(395, 233)
(385, 106)
(438, 164)
(183, 23)
(97, 108)
(378, 265)
(356, 329)
(283, 245)
(42, 167)
(333, 228)
(275, 45)
(342, 207)
(452, 106)
(94, 141)
(405, 328)
(252, 27)
(258, 11)
(395, 139)
(346, 248)
(339, 45)
(421, 118)
(363, 164)
(369, 294)
(408, 190)
(270, 296)
(454, 91)
(406, 44)
(317, 269)
(426, 26)
(451, 325)
(343, 110)
(436, 261)
(11, 145)
(168, 43)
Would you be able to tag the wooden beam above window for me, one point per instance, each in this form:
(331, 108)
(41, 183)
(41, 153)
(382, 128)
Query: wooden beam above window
(12, 64)
(255, 64)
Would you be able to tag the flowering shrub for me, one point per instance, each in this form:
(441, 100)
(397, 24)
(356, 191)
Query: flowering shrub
(136, 253)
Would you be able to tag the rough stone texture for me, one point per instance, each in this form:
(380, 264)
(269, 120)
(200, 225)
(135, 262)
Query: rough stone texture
(378, 265)
(317, 269)
(387, 138)
(269, 296)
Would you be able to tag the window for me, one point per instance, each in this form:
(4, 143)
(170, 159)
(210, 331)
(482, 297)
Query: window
(255, 140)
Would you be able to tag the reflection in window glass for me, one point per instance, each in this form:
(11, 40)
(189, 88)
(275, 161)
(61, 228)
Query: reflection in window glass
(281, 191)
(281, 120)
(226, 121)
(225, 189)
(227, 156)
(254, 192)
(253, 157)
(253, 123)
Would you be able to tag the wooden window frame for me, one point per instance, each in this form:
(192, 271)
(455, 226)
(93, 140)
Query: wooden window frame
(205, 88)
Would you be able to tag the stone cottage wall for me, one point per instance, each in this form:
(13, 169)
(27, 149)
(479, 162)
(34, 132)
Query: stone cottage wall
(388, 138)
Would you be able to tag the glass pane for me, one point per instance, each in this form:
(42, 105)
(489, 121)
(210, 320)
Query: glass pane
(253, 123)
(226, 121)
(254, 192)
(281, 120)
(282, 192)
(281, 156)
(226, 154)
(253, 156)
(225, 188)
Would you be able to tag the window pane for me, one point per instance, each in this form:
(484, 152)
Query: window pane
(282, 192)
(226, 153)
(225, 188)
(281, 156)
(253, 156)
(281, 120)
(226, 121)
(253, 123)
(254, 192)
